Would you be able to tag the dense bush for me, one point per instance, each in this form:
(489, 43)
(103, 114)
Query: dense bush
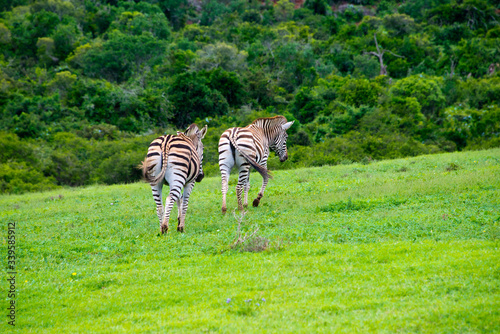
(85, 86)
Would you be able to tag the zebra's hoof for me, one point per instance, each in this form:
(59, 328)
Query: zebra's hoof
(256, 202)
(164, 229)
(180, 229)
(224, 210)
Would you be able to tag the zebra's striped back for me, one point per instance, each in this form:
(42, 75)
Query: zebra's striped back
(255, 141)
(176, 152)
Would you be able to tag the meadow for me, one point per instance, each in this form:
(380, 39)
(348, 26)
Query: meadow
(408, 245)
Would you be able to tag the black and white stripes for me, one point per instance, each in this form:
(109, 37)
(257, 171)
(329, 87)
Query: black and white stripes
(176, 160)
(249, 147)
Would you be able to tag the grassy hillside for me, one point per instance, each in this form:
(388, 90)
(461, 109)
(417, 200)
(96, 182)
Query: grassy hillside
(407, 245)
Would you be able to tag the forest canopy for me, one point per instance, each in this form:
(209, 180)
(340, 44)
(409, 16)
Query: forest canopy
(85, 85)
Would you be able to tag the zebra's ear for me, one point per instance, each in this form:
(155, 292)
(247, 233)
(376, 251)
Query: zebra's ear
(287, 126)
(201, 133)
(191, 130)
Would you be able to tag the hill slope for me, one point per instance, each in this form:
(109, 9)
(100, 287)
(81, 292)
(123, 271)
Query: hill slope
(403, 245)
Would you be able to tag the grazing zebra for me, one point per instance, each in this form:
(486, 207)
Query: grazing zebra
(178, 161)
(249, 147)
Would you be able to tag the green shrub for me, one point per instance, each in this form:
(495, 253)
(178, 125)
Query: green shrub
(191, 98)
(426, 90)
(120, 168)
(306, 105)
(13, 149)
(357, 92)
(17, 178)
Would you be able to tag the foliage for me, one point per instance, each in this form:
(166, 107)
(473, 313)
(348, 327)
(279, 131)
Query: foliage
(117, 58)
(319, 7)
(229, 85)
(192, 98)
(399, 24)
(111, 71)
(220, 55)
(306, 105)
(357, 92)
(425, 90)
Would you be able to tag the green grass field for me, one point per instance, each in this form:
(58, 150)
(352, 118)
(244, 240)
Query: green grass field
(409, 245)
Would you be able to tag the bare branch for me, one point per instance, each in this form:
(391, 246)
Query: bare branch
(380, 55)
(376, 43)
(395, 55)
(240, 239)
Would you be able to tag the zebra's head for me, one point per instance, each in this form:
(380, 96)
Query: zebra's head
(279, 144)
(196, 135)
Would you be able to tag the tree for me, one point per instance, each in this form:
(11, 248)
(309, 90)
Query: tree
(319, 7)
(220, 55)
(191, 98)
(418, 8)
(358, 92)
(228, 84)
(426, 90)
(6, 5)
(62, 83)
(135, 23)
(66, 38)
(307, 105)
(118, 57)
(211, 10)
(295, 65)
(176, 11)
(27, 28)
(259, 86)
(102, 102)
(366, 65)
(476, 14)
(45, 50)
(399, 24)
(380, 55)
(283, 10)
(475, 55)
(5, 35)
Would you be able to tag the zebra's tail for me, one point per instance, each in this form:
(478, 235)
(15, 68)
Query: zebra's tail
(263, 171)
(154, 165)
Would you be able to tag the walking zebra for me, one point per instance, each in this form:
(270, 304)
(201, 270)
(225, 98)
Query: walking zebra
(249, 147)
(178, 161)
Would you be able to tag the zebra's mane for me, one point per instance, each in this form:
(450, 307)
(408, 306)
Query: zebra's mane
(191, 134)
(276, 119)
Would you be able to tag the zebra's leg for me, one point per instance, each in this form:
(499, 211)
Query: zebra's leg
(179, 209)
(156, 189)
(246, 189)
(225, 186)
(261, 192)
(185, 201)
(173, 196)
(169, 204)
(243, 176)
(239, 190)
(225, 165)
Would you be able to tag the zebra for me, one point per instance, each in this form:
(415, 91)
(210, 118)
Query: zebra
(176, 159)
(249, 147)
